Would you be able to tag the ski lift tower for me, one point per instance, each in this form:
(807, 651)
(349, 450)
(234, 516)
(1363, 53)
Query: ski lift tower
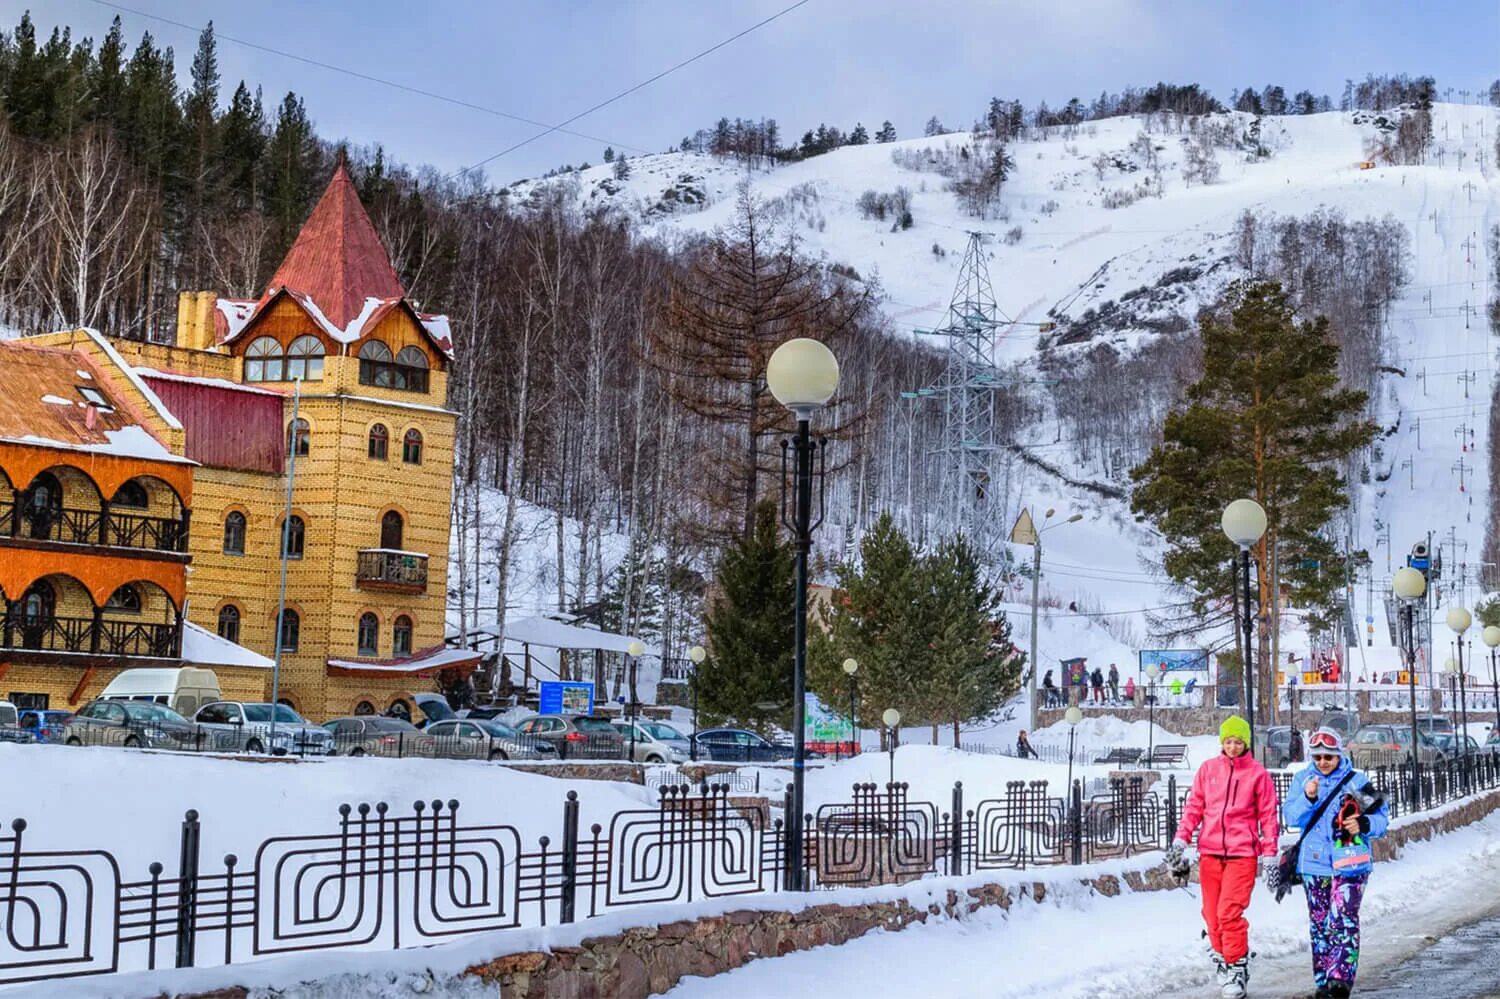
(969, 388)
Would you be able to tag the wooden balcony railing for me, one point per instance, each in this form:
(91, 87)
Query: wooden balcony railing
(387, 569)
(90, 636)
(94, 527)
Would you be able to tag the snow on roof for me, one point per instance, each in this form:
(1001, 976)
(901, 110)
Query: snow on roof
(57, 400)
(436, 657)
(140, 386)
(236, 313)
(437, 327)
(204, 648)
(559, 635)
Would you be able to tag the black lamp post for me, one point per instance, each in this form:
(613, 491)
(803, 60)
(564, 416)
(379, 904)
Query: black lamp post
(1153, 671)
(803, 375)
(1491, 637)
(851, 667)
(892, 719)
(696, 654)
(1409, 585)
(1459, 620)
(1244, 523)
(1072, 716)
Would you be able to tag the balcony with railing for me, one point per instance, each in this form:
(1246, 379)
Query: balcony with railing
(104, 526)
(89, 636)
(389, 569)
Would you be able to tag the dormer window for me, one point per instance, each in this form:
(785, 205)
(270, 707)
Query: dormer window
(304, 359)
(264, 360)
(406, 371)
(95, 398)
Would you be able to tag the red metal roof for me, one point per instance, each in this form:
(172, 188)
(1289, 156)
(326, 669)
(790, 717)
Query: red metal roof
(337, 259)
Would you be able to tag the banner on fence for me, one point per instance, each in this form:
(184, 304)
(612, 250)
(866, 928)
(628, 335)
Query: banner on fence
(824, 727)
(566, 697)
(1175, 660)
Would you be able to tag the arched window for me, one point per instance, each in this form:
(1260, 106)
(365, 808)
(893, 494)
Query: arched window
(399, 709)
(291, 630)
(411, 447)
(375, 364)
(364, 708)
(299, 435)
(369, 634)
(126, 598)
(401, 637)
(38, 609)
(296, 537)
(380, 440)
(304, 359)
(234, 533)
(229, 623)
(263, 360)
(411, 370)
(391, 530)
(43, 506)
(132, 494)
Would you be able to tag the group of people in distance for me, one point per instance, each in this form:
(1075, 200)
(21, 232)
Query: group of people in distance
(1233, 810)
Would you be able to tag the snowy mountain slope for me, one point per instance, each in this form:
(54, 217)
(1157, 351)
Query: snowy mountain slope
(1075, 254)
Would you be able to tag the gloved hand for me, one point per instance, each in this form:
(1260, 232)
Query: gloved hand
(1270, 872)
(1177, 861)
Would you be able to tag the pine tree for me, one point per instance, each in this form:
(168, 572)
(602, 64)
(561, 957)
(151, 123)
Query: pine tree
(934, 127)
(622, 167)
(859, 136)
(1266, 420)
(293, 168)
(609, 154)
(750, 626)
(887, 133)
(107, 75)
(200, 111)
(241, 145)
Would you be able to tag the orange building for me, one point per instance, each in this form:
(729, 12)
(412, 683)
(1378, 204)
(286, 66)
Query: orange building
(334, 379)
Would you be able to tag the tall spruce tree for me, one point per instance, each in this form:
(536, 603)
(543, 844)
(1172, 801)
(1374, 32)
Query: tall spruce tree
(750, 626)
(1266, 420)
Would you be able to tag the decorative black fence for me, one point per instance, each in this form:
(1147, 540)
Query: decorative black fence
(375, 878)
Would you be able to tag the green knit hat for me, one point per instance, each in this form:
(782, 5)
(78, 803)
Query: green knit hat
(1235, 727)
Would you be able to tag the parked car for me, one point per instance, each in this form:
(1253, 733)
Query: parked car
(1345, 723)
(734, 745)
(377, 735)
(1450, 746)
(482, 739)
(10, 725)
(1390, 745)
(654, 741)
(433, 707)
(184, 689)
(1273, 746)
(45, 725)
(577, 737)
(1434, 724)
(133, 724)
(1492, 744)
(245, 727)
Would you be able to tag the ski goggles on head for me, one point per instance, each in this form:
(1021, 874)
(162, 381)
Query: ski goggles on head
(1324, 740)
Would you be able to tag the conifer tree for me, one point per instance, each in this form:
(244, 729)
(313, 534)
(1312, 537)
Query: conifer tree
(293, 164)
(750, 626)
(609, 154)
(1266, 420)
(622, 167)
(860, 136)
(887, 133)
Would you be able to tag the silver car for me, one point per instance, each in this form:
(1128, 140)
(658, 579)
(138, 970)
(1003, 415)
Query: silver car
(479, 739)
(132, 724)
(245, 727)
(654, 741)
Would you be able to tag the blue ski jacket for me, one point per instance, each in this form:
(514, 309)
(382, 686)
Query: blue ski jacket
(1316, 859)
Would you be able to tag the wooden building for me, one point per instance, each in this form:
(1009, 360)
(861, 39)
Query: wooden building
(331, 377)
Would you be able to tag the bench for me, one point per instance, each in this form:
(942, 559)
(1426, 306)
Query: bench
(1169, 755)
(1122, 757)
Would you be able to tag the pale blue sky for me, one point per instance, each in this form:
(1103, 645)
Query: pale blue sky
(839, 61)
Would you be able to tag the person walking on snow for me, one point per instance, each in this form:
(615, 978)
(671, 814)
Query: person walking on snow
(1023, 747)
(1096, 680)
(1335, 859)
(1114, 682)
(1232, 808)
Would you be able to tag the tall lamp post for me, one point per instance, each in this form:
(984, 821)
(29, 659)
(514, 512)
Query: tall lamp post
(697, 654)
(851, 667)
(634, 650)
(1409, 585)
(1028, 532)
(1072, 716)
(803, 375)
(1459, 620)
(1153, 671)
(892, 720)
(1456, 684)
(1244, 523)
(1491, 637)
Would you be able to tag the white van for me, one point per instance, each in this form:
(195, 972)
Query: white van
(184, 690)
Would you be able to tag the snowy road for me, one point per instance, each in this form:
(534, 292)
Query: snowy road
(1142, 945)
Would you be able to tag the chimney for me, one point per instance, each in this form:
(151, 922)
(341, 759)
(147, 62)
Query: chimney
(195, 319)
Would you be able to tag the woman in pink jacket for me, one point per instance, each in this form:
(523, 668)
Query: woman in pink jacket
(1232, 808)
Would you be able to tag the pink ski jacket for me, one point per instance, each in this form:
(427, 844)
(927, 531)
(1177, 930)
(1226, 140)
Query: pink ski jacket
(1234, 800)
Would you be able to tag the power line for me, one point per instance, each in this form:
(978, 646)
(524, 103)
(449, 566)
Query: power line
(630, 90)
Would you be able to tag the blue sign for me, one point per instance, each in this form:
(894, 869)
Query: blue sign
(1175, 660)
(566, 697)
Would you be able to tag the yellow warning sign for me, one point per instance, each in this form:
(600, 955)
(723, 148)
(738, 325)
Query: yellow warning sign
(1024, 533)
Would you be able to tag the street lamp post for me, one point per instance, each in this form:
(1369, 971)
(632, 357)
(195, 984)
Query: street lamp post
(697, 654)
(1244, 523)
(892, 719)
(1409, 585)
(1072, 716)
(802, 375)
(1153, 671)
(1456, 685)
(851, 667)
(634, 650)
(1491, 637)
(1028, 532)
(1459, 620)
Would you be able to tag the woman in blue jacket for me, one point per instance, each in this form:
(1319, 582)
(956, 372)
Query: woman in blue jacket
(1335, 858)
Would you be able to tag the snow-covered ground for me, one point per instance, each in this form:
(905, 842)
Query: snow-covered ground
(1076, 944)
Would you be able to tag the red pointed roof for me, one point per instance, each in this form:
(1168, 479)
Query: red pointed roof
(337, 259)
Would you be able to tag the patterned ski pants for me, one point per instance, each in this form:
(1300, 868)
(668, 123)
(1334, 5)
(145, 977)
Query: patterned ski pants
(1333, 910)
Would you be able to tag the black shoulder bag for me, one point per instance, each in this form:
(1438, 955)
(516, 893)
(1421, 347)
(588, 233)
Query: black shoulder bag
(1287, 866)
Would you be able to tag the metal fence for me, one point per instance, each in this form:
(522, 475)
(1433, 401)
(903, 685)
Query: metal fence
(375, 877)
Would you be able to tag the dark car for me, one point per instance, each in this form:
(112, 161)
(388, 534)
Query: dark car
(1273, 747)
(735, 745)
(377, 735)
(577, 737)
(132, 724)
(46, 725)
(481, 739)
